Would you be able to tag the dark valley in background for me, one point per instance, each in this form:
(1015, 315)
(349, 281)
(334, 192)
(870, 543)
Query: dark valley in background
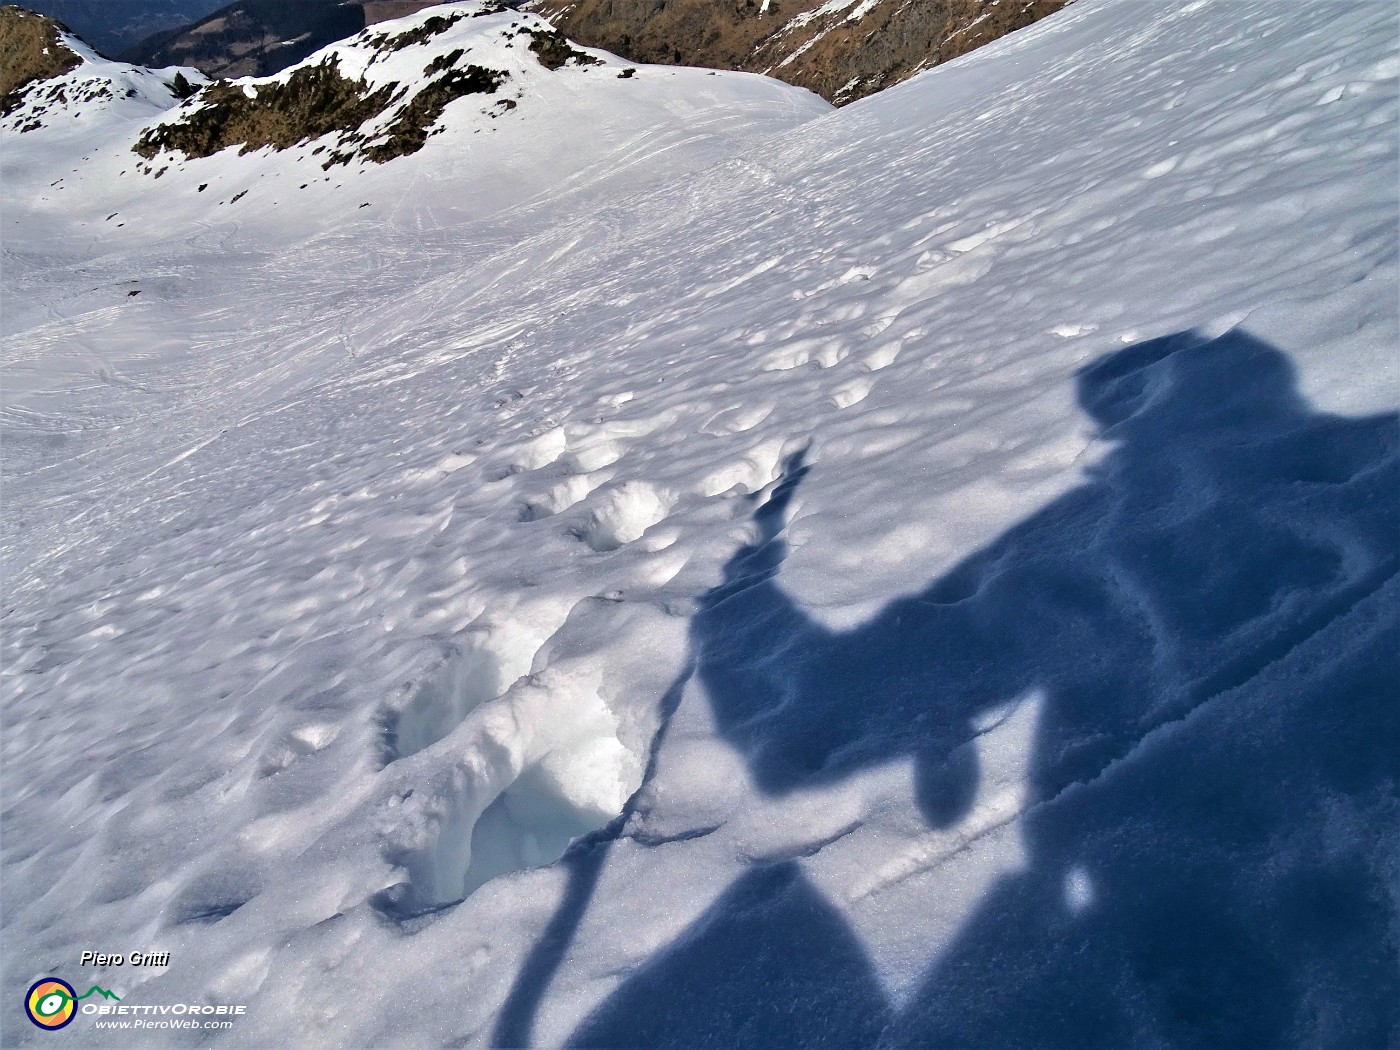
(112, 26)
(261, 37)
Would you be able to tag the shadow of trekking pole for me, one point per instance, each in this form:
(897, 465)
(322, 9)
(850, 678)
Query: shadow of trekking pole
(585, 859)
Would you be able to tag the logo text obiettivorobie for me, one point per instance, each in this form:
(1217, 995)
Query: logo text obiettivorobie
(51, 1003)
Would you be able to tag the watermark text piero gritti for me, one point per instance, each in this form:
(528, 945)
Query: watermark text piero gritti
(130, 959)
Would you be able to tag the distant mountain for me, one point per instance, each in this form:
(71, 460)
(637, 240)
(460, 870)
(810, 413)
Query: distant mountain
(841, 49)
(261, 37)
(112, 26)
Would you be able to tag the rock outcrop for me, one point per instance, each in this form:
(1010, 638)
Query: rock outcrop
(31, 51)
(841, 49)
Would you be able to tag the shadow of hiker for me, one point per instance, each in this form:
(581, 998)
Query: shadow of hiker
(1213, 614)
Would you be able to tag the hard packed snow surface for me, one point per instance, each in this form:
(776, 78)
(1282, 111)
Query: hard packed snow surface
(686, 568)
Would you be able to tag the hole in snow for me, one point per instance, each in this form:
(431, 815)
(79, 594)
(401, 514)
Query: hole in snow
(471, 836)
(465, 681)
(624, 514)
(479, 667)
(529, 825)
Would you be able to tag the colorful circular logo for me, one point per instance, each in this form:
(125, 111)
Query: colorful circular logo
(50, 1003)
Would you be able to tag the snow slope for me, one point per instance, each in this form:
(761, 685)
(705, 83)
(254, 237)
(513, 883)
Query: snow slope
(569, 130)
(948, 549)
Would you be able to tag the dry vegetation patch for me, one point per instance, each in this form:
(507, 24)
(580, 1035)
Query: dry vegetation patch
(419, 34)
(31, 51)
(313, 101)
(316, 101)
(410, 131)
(554, 50)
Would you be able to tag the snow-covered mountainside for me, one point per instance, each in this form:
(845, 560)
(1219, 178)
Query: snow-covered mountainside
(548, 128)
(668, 564)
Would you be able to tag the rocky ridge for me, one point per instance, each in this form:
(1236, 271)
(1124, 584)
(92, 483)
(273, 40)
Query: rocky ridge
(371, 117)
(841, 49)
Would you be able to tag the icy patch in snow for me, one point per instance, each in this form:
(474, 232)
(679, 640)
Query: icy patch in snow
(1079, 890)
(471, 675)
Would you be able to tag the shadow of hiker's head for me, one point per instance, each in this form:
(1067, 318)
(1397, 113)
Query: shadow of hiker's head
(1174, 388)
(1038, 606)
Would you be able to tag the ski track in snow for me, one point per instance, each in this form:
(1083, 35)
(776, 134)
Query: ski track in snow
(348, 565)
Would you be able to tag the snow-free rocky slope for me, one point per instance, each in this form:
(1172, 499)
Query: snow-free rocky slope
(936, 563)
(841, 49)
